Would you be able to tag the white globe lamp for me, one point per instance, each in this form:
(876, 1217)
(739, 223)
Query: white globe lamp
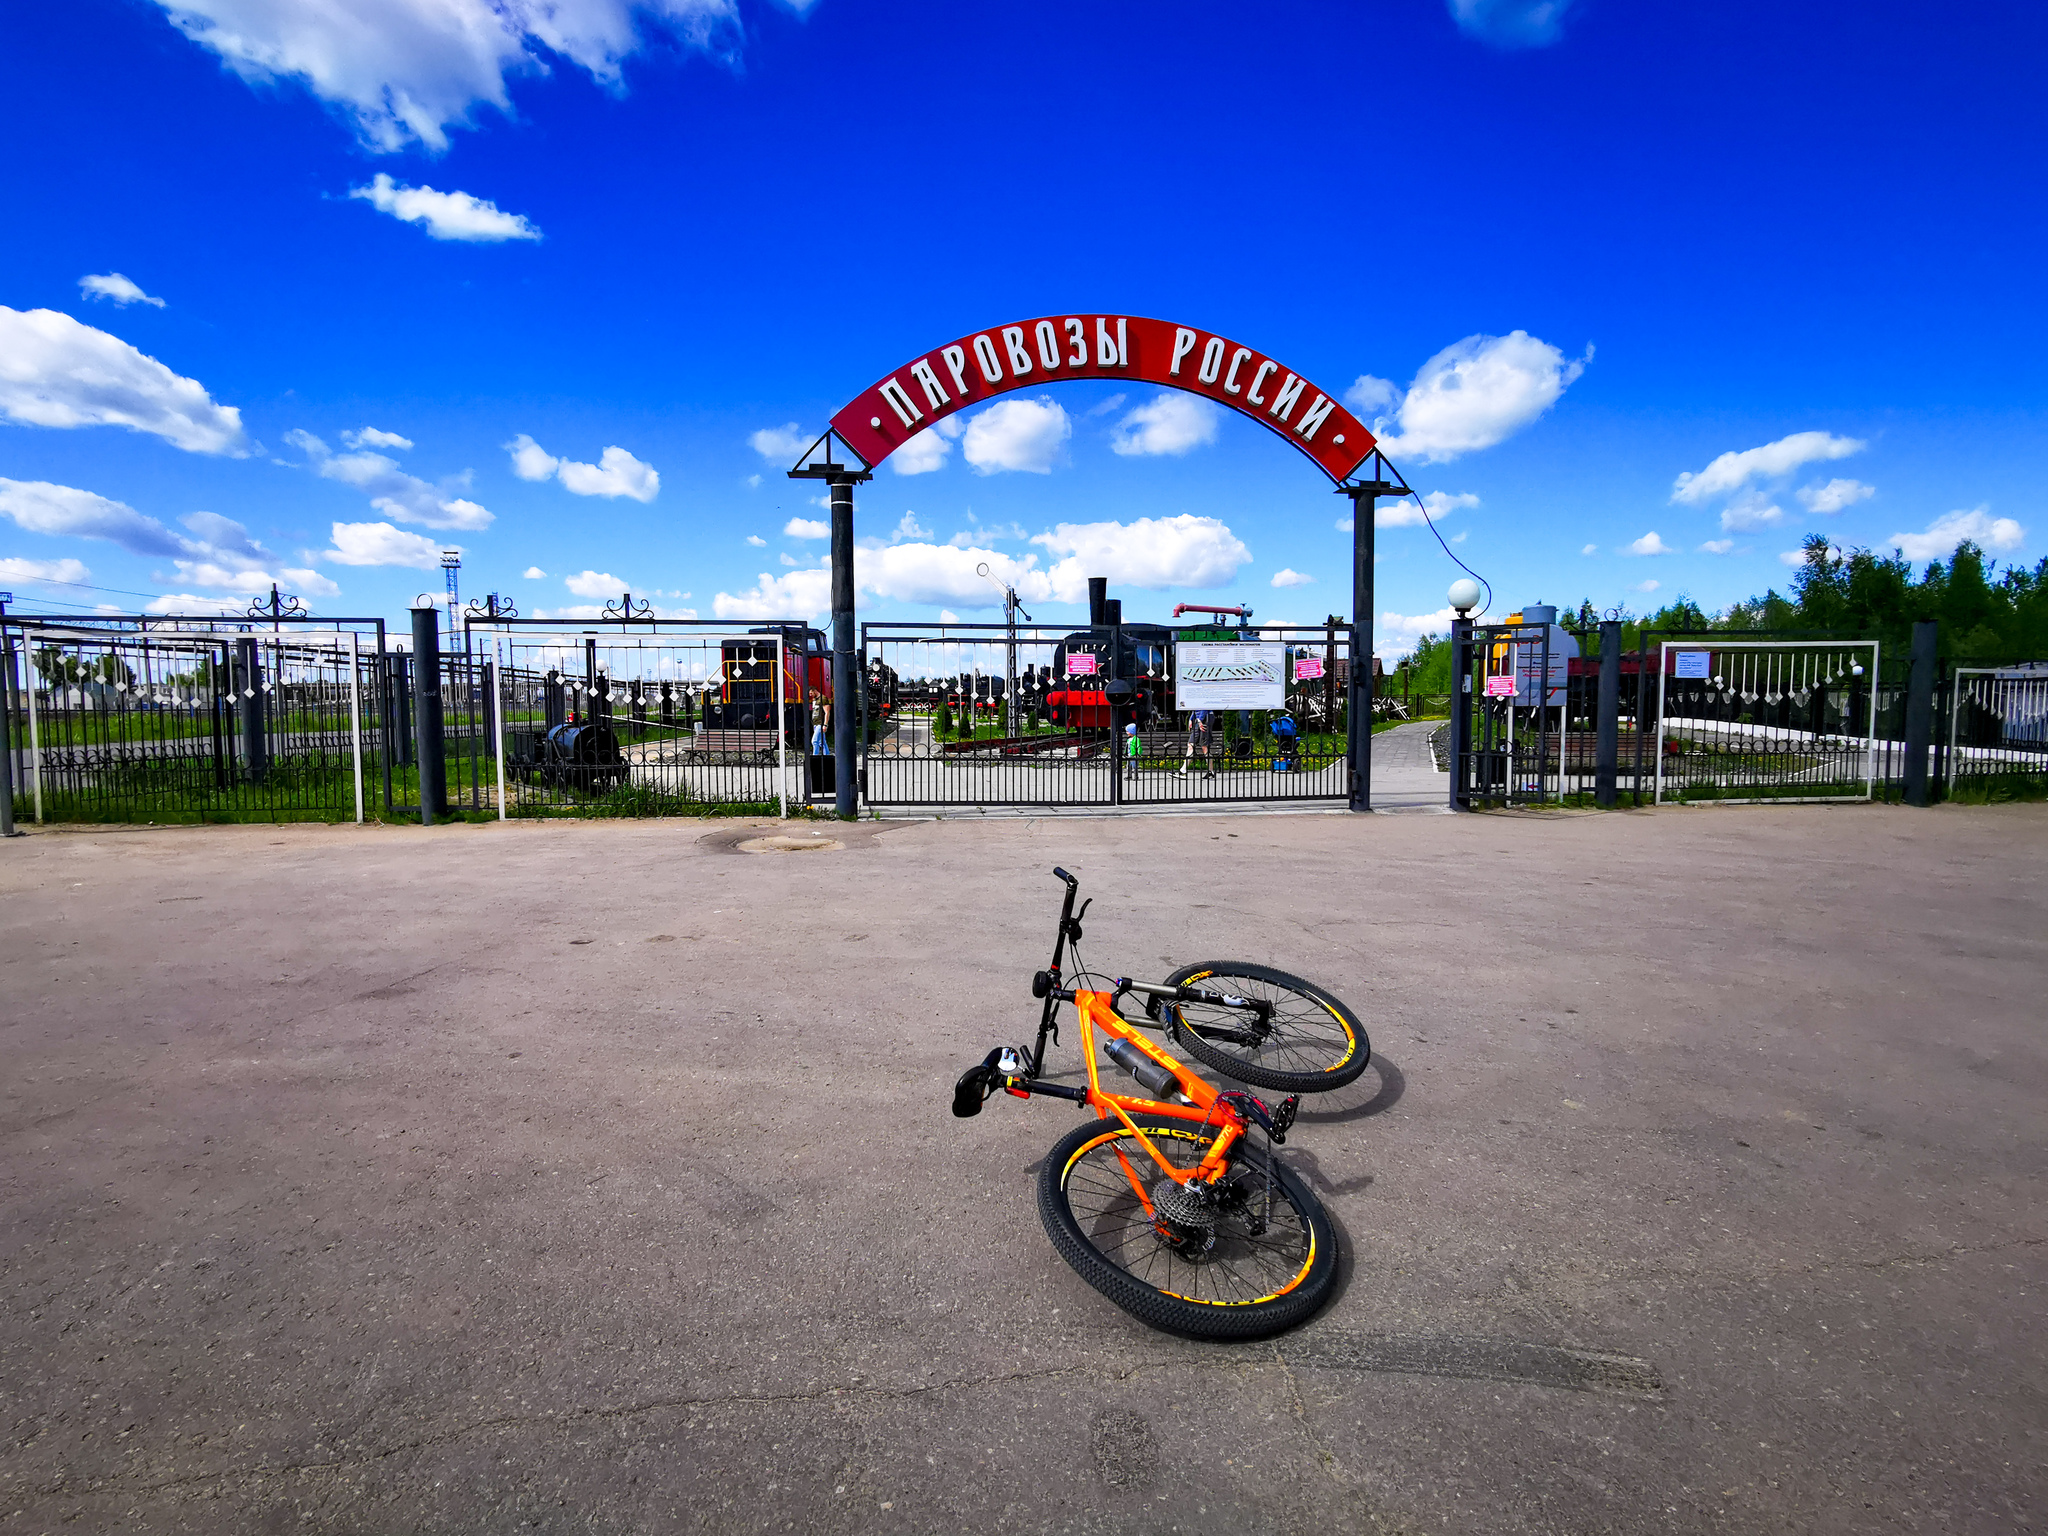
(1464, 595)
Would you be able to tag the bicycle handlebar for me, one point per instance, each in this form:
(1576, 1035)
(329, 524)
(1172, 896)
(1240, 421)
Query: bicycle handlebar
(1071, 881)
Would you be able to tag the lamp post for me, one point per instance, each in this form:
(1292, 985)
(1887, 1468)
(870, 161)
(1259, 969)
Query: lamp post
(1464, 597)
(1358, 735)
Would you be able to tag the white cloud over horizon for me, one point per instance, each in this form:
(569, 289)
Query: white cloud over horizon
(1474, 394)
(1650, 543)
(407, 71)
(122, 290)
(1994, 535)
(1748, 510)
(445, 215)
(807, 528)
(929, 450)
(1734, 470)
(616, 473)
(588, 583)
(391, 489)
(381, 544)
(58, 372)
(1171, 423)
(65, 571)
(1285, 577)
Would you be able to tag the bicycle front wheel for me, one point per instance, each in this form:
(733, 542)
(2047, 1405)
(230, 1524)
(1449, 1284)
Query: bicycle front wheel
(1307, 1042)
(1257, 1256)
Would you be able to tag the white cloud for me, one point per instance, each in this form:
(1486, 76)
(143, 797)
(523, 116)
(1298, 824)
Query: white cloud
(907, 527)
(112, 285)
(533, 573)
(445, 215)
(1404, 513)
(787, 558)
(752, 482)
(1170, 423)
(382, 544)
(799, 595)
(594, 584)
(1731, 471)
(391, 490)
(56, 372)
(407, 70)
(215, 552)
(1792, 557)
(928, 450)
(1946, 532)
(757, 541)
(1649, 544)
(616, 473)
(779, 445)
(1717, 546)
(1590, 549)
(191, 602)
(948, 616)
(15, 568)
(1834, 496)
(806, 528)
(1473, 394)
(1017, 434)
(1153, 553)
(1289, 578)
(530, 461)
(587, 611)
(61, 510)
(945, 573)
(1646, 586)
(370, 437)
(1750, 509)
(1396, 633)
(1511, 23)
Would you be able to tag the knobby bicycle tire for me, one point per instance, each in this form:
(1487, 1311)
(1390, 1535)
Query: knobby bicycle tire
(1316, 1043)
(1269, 1262)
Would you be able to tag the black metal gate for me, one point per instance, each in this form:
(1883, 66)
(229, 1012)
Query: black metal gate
(1040, 715)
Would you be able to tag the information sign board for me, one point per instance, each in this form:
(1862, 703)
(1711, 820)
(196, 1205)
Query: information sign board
(1242, 674)
(1693, 664)
(1306, 667)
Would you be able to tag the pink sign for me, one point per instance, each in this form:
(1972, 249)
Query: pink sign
(1500, 687)
(1080, 663)
(1307, 667)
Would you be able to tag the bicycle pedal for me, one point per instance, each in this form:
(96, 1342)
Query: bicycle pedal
(1283, 1117)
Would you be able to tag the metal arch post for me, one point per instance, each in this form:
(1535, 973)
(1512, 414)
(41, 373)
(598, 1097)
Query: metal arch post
(840, 479)
(1358, 726)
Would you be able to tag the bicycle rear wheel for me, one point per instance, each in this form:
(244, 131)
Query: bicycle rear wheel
(1261, 1258)
(1309, 1042)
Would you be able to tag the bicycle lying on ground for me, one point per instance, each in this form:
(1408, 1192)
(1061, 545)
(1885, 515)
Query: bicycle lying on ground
(1164, 1204)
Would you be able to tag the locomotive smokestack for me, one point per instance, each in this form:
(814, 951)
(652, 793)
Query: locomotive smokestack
(1098, 594)
(1112, 610)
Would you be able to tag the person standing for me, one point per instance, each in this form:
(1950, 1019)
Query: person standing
(821, 725)
(1201, 735)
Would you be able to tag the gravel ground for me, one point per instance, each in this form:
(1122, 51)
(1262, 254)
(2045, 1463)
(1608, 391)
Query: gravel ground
(600, 1177)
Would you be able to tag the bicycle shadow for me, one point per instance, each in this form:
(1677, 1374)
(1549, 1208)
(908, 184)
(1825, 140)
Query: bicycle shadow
(1356, 1101)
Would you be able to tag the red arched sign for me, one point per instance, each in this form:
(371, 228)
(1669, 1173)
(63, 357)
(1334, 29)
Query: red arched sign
(1031, 353)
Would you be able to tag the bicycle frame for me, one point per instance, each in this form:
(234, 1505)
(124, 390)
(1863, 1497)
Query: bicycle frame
(1097, 1010)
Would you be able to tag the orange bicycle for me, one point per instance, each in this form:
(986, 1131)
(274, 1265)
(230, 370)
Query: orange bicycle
(1164, 1204)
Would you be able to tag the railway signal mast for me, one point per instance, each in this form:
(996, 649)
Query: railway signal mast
(451, 563)
(1011, 608)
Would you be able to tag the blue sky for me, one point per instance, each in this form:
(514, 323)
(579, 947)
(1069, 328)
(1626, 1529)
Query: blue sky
(552, 284)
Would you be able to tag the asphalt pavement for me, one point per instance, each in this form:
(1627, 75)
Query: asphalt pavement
(601, 1177)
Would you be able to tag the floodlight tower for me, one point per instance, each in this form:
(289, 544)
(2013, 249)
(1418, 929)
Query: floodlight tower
(451, 566)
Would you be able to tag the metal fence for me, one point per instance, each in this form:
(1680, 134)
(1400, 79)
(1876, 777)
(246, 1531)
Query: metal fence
(1001, 715)
(194, 720)
(1749, 720)
(1997, 729)
(660, 718)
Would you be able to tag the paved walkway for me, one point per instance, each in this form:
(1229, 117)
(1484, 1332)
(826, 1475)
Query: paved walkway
(1405, 780)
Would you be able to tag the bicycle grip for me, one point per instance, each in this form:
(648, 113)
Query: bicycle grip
(1064, 875)
(970, 1091)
